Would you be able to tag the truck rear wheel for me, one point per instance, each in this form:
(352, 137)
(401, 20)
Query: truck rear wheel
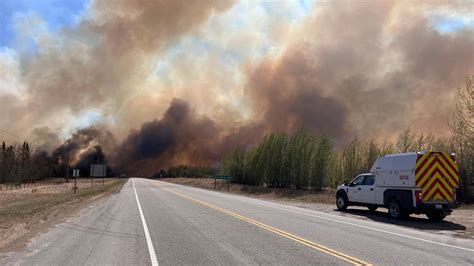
(395, 210)
(341, 202)
(436, 216)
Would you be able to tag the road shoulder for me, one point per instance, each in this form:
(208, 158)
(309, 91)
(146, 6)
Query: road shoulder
(26, 214)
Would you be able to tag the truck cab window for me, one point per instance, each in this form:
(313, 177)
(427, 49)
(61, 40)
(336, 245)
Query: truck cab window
(358, 180)
(369, 180)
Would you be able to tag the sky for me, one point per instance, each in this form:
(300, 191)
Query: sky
(227, 72)
(56, 14)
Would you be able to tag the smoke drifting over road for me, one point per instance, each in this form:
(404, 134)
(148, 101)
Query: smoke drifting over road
(368, 69)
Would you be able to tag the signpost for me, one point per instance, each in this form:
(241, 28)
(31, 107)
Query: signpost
(98, 170)
(75, 174)
(223, 177)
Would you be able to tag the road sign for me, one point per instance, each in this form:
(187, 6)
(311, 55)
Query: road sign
(75, 172)
(223, 177)
(98, 170)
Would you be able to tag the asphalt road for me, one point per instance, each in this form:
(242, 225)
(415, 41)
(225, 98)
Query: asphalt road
(168, 224)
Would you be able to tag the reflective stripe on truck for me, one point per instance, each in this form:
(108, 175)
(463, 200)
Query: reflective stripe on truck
(437, 175)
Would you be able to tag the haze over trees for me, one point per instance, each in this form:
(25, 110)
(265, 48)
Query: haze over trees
(309, 160)
(303, 159)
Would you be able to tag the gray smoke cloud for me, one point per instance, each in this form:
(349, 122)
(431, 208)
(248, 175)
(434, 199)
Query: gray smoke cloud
(179, 136)
(99, 62)
(367, 69)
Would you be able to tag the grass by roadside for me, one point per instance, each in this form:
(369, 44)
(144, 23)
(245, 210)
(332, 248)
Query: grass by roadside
(23, 214)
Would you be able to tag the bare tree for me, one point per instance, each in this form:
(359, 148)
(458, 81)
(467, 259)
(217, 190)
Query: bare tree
(462, 126)
(462, 122)
(406, 141)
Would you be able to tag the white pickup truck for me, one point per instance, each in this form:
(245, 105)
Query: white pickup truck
(405, 183)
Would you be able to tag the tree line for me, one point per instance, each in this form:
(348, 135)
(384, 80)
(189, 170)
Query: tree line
(308, 160)
(184, 170)
(18, 164)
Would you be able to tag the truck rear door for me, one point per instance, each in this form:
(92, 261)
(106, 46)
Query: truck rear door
(437, 175)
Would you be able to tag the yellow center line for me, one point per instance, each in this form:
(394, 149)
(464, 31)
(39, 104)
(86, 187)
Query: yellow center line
(298, 239)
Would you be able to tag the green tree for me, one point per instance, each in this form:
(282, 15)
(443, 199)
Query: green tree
(320, 161)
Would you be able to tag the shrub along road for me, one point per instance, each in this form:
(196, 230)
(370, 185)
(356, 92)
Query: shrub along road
(156, 222)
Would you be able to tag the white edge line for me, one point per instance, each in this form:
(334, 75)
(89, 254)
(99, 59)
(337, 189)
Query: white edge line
(342, 222)
(151, 249)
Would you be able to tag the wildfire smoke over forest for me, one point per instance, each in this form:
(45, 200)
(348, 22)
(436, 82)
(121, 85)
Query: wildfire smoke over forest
(149, 84)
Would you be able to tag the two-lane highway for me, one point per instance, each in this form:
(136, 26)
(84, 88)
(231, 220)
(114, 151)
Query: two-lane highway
(156, 222)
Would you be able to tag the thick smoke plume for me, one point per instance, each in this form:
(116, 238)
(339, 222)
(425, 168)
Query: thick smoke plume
(366, 69)
(363, 69)
(86, 145)
(180, 136)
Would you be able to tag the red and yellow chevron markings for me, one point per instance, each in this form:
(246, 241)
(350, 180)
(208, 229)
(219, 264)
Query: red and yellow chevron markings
(437, 175)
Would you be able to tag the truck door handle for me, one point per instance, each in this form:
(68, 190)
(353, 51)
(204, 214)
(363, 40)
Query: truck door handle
(359, 188)
(372, 189)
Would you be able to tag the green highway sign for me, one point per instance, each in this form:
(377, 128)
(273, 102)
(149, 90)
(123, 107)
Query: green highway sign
(221, 177)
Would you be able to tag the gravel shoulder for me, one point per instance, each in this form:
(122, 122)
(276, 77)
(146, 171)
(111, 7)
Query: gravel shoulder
(24, 213)
(459, 224)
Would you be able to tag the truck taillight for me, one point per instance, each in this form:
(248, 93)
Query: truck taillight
(453, 157)
(418, 196)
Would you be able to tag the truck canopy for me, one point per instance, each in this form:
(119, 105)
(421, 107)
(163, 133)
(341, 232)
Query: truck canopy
(395, 170)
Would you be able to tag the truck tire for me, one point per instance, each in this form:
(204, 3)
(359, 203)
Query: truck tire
(341, 202)
(372, 208)
(436, 216)
(395, 210)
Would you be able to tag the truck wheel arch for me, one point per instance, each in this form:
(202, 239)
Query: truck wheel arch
(343, 193)
(342, 202)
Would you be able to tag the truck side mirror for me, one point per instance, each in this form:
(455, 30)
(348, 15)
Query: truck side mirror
(346, 183)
